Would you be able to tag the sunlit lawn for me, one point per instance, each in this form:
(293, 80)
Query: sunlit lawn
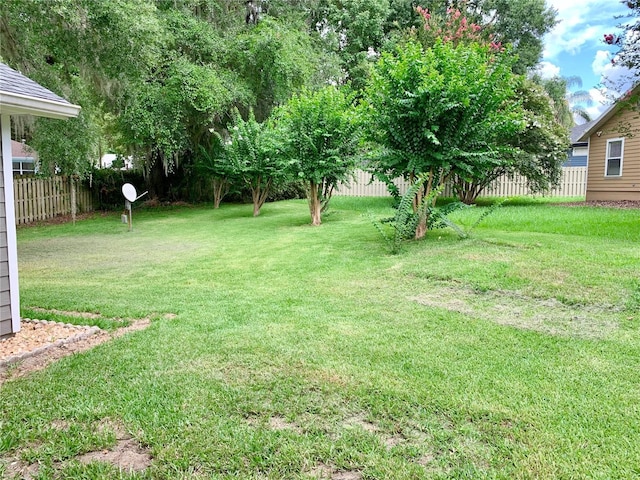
(304, 352)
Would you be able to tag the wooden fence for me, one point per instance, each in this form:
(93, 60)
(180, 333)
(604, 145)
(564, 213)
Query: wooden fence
(44, 198)
(572, 184)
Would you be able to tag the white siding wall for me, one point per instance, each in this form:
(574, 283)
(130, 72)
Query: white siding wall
(5, 296)
(9, 290)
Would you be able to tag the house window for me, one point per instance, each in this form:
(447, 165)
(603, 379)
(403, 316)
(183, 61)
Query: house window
(24, 166)
(613, 162)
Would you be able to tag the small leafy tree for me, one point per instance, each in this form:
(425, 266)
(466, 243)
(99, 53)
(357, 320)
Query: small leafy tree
(536, 153)
(321, 138)
(441, 110)
(538, 150)
(253, 157)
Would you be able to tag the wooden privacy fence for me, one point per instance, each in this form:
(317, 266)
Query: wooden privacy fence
(44, 198)
(572, 184)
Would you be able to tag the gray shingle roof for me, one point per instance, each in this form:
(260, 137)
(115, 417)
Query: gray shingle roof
(16, 83)
(578, 131)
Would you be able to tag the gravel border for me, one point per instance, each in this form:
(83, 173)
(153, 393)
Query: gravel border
(84, 333)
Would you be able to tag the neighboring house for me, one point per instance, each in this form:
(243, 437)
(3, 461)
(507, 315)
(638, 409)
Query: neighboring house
(106, 161)
(25, 159)
(613, 171)
(18, 96)
(579, 151)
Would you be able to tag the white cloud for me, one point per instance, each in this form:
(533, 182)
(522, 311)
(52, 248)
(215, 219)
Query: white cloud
(601, 62)
(581, 24)
(547, 70)
(617, 79)
(601, 102)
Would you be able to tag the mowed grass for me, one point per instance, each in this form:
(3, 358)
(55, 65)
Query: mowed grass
(299, 352)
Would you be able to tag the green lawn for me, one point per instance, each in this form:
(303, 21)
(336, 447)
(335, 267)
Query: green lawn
(301, 352)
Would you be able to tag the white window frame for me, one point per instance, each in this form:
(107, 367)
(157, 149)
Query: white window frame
(606, 157)
(27, 165)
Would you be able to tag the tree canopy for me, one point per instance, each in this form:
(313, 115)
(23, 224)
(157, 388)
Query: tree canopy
(159, 79)
(629, 42)
(442, 110)
(521, 23)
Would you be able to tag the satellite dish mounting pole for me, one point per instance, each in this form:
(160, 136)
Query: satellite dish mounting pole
(130, 196)
(127, 206)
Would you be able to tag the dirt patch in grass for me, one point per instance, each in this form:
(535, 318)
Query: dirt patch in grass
(394, 440)
(359, 421)
(327, 472)
(426, 459)
(41, 351)
(126, 455)
(348, 475)
(508, 308)
(19, 470)
(280, 423)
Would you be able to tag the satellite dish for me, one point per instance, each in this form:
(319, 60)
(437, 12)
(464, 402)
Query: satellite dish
(129, 192)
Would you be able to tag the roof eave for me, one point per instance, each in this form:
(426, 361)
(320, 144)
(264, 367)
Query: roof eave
(606, 116)
(16, 104)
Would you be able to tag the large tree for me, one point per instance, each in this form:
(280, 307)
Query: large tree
(320, 137)
(521, 23)
(275, 59)
(158, 76)
(629, 42)
(89, 52)
(354, 30)
(441, 110)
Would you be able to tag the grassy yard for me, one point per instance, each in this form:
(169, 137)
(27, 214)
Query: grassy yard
(299, 352)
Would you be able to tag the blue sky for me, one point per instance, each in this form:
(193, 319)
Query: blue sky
(575, 47)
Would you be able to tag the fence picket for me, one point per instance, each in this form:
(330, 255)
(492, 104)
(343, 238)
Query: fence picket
(38, 199)
(572, 184)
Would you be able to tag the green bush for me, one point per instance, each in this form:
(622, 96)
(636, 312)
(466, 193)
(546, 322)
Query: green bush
(106, 185)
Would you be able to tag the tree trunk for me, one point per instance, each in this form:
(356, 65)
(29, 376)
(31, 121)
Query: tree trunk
(315, 205)
(220, 189)
(468, 191)
(326, 196)
(421, 228)
(420, 209)
(255, 198)
(259, 195)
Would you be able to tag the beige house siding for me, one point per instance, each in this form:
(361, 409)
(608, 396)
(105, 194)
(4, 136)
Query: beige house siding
(627, 186)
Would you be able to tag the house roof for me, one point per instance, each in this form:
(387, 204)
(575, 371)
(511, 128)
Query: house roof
(22, 150)
(578, 131)
(607, 114)
(20, 95)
